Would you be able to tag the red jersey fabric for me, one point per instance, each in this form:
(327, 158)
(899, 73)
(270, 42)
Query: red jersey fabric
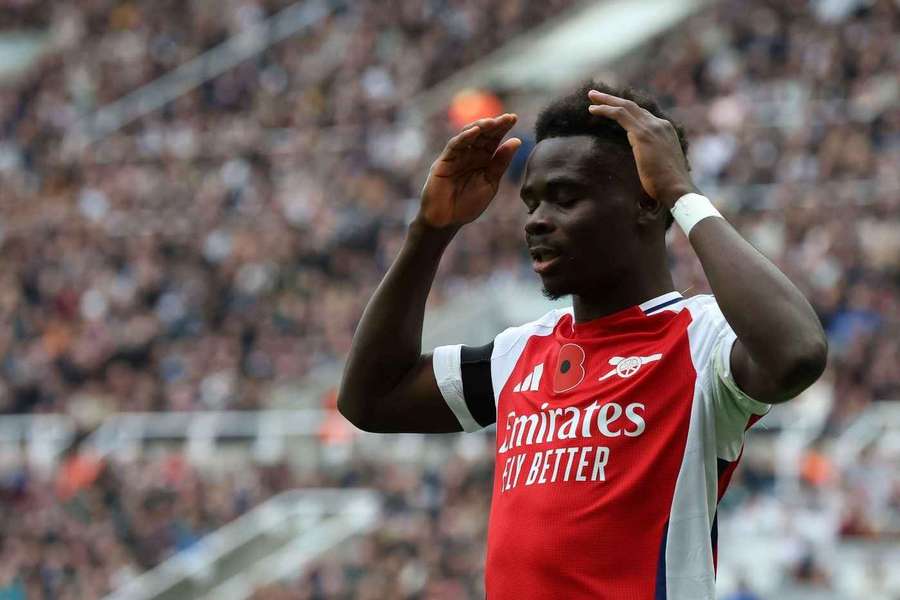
(612, 435)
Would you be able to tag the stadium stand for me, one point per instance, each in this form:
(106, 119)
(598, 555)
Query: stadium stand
(226, 245)
(94, 524)
(156, 279)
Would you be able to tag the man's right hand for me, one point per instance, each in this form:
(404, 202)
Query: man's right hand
(465, 177)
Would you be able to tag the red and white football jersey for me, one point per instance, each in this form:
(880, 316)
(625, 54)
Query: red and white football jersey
(616, 438)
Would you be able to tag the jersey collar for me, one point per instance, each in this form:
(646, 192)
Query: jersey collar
(659, 302)
(623, 319)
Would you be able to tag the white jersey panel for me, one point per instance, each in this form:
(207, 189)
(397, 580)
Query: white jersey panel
(690, 574)
(508, 346)
(510, 343)
(720, 415)
(689, 559)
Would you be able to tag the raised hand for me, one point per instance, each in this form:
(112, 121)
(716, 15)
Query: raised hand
(465, 177)
(660, 161)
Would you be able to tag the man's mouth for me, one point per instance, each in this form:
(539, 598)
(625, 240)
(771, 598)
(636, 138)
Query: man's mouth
(543, 259)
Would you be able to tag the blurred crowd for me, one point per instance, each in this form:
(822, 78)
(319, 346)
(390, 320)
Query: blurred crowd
(28, 15)
(96, 523)
(830, 530)
(795, 121)
(230, 241)
(429, 543)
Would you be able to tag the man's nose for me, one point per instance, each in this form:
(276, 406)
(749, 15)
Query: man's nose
(539, 222)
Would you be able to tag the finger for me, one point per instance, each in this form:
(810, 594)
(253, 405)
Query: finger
(610, 100)
(501, 159)
(489, 123)
(617, 113)
(490, 138)
(460, 142)
(483, 135)
(498, 127)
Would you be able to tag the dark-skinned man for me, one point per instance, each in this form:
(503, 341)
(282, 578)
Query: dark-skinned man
(621, 418)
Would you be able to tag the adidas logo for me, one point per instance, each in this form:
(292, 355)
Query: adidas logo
(532, 381)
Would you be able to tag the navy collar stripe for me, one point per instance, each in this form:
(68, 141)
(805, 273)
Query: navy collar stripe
(663, 305)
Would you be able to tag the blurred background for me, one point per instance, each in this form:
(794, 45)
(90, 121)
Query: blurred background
(198, 197)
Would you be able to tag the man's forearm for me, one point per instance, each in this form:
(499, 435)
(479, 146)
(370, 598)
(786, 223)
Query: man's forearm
(782, 347)
(388, 339)
(773, 320)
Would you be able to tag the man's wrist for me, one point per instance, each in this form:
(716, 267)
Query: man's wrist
(421, 230)
(692, 208)
(670, 197)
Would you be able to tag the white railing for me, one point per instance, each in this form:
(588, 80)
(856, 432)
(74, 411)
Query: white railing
(878, 426)
(42, 437)
(275, 539)
(263, 435)
(202, 429)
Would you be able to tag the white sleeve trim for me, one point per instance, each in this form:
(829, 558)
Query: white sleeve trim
(733, 408)
(725, 376)
(446, 363)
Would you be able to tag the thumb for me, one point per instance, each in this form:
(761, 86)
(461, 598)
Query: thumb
(501, 159)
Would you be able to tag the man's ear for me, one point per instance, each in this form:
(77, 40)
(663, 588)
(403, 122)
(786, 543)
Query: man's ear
(650, 211)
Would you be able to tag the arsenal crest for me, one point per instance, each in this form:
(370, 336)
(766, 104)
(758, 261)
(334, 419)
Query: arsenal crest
(626, 367)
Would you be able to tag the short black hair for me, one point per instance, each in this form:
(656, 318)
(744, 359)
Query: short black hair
(569, 116)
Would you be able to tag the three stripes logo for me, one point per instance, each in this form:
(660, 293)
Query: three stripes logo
(532, 381)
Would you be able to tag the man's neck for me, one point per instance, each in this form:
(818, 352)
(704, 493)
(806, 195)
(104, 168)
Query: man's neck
(627, 293)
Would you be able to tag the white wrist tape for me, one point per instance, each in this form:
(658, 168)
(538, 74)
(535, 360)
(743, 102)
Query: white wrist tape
(690, 209)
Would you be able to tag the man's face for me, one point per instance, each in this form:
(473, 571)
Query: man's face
(583, 199)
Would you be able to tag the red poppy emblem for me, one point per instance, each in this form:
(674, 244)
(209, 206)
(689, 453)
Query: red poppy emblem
(569, 370)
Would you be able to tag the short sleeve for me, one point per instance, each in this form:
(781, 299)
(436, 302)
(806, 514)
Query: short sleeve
(463, 374)
(734, 411)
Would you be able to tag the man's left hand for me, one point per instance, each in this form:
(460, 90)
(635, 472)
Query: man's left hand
(661, 163)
